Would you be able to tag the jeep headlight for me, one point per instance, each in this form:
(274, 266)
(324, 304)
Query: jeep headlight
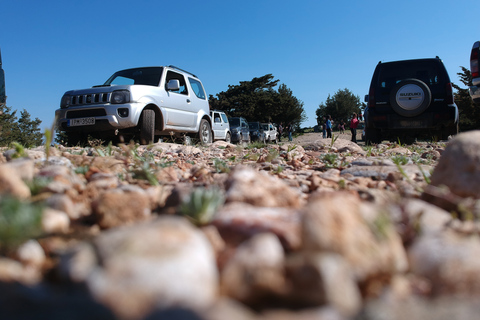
(66, 101)
(120, 97)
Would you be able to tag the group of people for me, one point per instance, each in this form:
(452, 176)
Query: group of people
(327, 126)
(288, 128)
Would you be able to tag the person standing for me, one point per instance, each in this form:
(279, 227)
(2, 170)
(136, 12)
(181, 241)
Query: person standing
(324, 128)
(329, 126)
(280, 131)
(290, 130)
(353, 127)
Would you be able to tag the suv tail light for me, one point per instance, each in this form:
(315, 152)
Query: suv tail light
(449, 90)
(371, 97)
(474, 60)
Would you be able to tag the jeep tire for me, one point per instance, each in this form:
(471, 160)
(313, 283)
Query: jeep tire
(410, 97)
(205, 132)
(147, 127)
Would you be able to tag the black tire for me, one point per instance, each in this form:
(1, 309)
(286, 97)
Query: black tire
(147, 127)
(372, 136)
(228, 137)
(410, 105)
(204, 132)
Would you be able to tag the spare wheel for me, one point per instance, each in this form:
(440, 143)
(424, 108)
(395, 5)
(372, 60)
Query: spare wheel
(410, 97)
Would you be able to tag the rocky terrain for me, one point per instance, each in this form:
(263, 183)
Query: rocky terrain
(309, 229)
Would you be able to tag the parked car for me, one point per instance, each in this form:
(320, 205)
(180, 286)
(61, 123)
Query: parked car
(410, 98)
(239, 129)
(270, 132)
(475, 70)
(140, 102)
(220, 126)
(256, 132)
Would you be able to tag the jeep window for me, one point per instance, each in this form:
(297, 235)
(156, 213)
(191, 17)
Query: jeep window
(197, 88)
(139, 76)
(177, 76)
(224, 117)
(426, 71)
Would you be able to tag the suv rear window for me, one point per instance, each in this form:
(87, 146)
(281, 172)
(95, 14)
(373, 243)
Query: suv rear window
(392, 73)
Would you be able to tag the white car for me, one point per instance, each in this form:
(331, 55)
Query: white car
(220, 126)
(270, 131)
(141, 103)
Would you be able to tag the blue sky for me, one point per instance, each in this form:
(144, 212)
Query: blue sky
(314, 47)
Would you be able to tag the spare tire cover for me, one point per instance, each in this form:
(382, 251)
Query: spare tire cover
(410, 97)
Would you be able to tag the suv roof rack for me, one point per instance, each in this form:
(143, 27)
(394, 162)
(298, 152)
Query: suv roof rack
(170, 66)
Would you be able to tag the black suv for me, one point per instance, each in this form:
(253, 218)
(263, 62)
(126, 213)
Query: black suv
(408, 99)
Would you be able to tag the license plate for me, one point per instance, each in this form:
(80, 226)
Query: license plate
(410, 124)
(81, 122)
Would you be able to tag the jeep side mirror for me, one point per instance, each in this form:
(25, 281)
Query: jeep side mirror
(366, 98)
(173, 85)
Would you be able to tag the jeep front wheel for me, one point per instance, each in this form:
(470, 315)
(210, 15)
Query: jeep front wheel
(147, 127)
(205, 132)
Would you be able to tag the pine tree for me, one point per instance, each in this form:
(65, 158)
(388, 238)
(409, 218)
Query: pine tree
(469, 113)
(30, 134)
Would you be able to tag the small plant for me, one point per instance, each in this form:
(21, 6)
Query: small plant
(146, 173)
(19, 222)
(330, 159)
(19, 151)
(272, 155)
(333, 140)
(202, 204)
(221, 166)
(256, 144)
(38, 184)
(400, 160)
(291, 148)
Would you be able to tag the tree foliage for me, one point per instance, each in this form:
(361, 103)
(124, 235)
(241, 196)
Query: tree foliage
(340, 106)
(24, 131)
(257, 100)
(469, 113)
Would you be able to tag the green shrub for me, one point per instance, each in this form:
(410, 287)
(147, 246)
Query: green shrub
(19, 222)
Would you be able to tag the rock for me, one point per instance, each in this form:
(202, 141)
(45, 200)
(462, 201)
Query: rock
(323, 279)
(55, 221)
(11, 183)
(339, 222)
(117, 207)
(259, 189)
(237, 222)
(255, 273)
(448, 260)
(160, 264)
(31, 253)
(459, 165)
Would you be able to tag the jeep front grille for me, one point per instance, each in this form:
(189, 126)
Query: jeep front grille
(86, 113)
(90, 98)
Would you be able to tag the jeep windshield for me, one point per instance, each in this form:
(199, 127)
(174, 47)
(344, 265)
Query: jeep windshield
(142, 76)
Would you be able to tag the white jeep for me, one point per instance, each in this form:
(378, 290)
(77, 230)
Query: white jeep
(220, 126)
(270, 131)
(138, 103)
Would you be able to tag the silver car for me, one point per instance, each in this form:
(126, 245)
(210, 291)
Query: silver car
(140, 102)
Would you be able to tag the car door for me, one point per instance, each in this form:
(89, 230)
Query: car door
(219, 125)
(178, 102)
(245, 130)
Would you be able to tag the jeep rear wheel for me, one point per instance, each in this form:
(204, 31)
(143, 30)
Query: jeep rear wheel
(147, 127)
(410, 97)
(205, 132)
(228, 138)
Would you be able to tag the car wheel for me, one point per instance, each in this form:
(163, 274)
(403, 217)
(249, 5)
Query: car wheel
(372, 136)
(205, 132)
(147, 127)
(410, 97)
(228, 137)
